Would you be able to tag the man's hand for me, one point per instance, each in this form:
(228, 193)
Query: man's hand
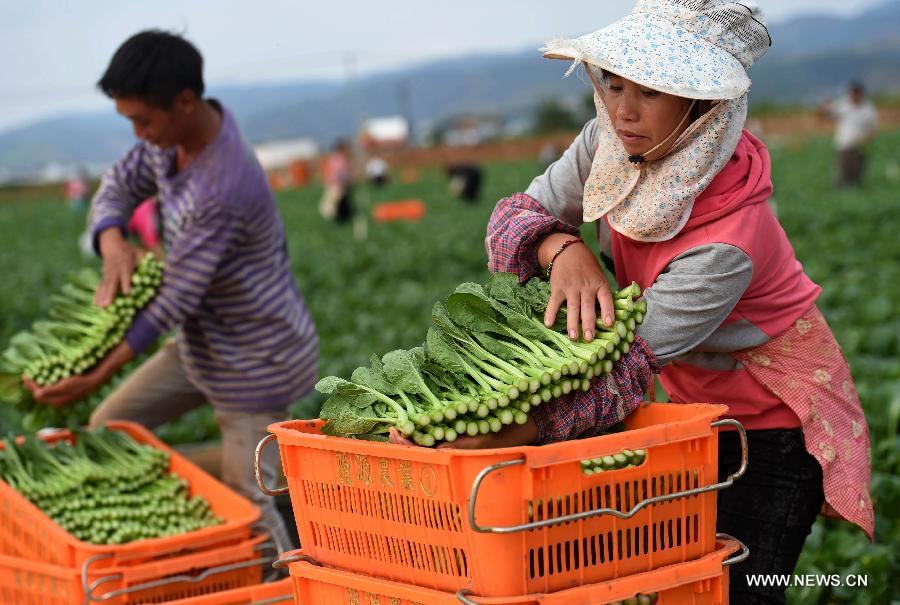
(578, 281)
(119, 261)
(69, 390)
(66, 391)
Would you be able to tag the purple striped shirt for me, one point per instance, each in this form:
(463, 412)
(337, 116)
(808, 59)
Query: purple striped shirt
(245, 336)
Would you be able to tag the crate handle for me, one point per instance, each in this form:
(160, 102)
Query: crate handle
(462, 594)
(283, 599)
(293, 558)
(89, 589)
(258, 469)
(476, 486)
(738, 558)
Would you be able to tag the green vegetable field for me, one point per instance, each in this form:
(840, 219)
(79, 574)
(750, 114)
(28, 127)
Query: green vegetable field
(376, 295)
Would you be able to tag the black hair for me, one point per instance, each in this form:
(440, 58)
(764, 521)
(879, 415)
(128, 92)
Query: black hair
(154, 66)
(857, 86)
(700, 108)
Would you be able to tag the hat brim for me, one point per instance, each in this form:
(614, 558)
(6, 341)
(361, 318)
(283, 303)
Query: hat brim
(658, 54)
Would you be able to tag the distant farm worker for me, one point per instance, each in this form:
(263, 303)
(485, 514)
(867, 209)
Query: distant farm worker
(76, 190)
(144, 225)
(857, 123)
(244, 339)
(678, 191)
(465, 181)
(377, 171)
(337, 175)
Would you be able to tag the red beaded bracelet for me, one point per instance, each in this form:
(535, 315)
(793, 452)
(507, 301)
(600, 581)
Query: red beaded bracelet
(565, 245)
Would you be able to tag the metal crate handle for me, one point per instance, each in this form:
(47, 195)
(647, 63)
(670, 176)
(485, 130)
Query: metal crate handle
(257, 468)
(476, 486)
(89, 589)
(294, 557)
(741, 556)
(284, 599)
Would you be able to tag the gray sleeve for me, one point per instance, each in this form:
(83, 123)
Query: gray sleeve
(561, 188)
(692, 297)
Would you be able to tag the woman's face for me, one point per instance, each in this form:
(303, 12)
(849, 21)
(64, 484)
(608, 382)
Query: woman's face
(643, 117)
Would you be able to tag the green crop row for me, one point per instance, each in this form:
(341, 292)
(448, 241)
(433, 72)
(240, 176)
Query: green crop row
(375, 294)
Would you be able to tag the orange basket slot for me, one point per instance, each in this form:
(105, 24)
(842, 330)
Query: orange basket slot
(198, 573)
(26, 531)
(703, 581)
(509, 521)
(260, 594)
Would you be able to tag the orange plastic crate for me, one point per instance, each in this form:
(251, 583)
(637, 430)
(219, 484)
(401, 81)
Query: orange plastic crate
(25, 531)
(281, 591)
(404, 210)
(703, 581)
(405, 512)
(27, 582)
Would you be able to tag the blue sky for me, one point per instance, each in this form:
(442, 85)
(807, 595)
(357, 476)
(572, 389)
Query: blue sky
(53, 52)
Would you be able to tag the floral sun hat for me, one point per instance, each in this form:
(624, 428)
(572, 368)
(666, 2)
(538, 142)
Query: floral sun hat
(697, 49)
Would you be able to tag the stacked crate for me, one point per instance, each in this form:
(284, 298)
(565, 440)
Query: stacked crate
(394, 524)
(40, 563)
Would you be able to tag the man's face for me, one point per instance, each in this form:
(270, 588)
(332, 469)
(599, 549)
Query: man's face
(161, 127)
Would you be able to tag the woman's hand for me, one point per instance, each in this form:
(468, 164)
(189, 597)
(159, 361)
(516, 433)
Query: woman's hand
(578, 281)
(829, 512)
(509, 436)
(396, 437)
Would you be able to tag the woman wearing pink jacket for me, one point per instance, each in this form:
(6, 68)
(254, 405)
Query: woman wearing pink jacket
(678, 191)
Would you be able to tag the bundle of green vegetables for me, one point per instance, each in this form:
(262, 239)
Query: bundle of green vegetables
(624, 459)
(639, 599)
(487, 361)
(77, 335)
(105, 488)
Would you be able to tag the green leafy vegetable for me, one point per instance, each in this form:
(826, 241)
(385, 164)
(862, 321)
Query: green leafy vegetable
(487, 361)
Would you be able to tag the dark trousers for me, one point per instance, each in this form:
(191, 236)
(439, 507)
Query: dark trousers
(851, 167)
(771, 508)
(344, 208)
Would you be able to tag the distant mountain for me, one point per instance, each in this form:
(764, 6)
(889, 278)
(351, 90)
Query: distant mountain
(248, 99)
(814, 78)
(812, 58)
(67, 139)
(820, 34)
(509, 85)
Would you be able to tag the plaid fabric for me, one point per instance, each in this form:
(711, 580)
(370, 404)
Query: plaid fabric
(611, 398)
(805, 368)
(515, 229)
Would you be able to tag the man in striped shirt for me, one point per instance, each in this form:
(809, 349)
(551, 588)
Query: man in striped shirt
(244, 340)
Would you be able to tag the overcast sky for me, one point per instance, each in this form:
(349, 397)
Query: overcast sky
(53, 52)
